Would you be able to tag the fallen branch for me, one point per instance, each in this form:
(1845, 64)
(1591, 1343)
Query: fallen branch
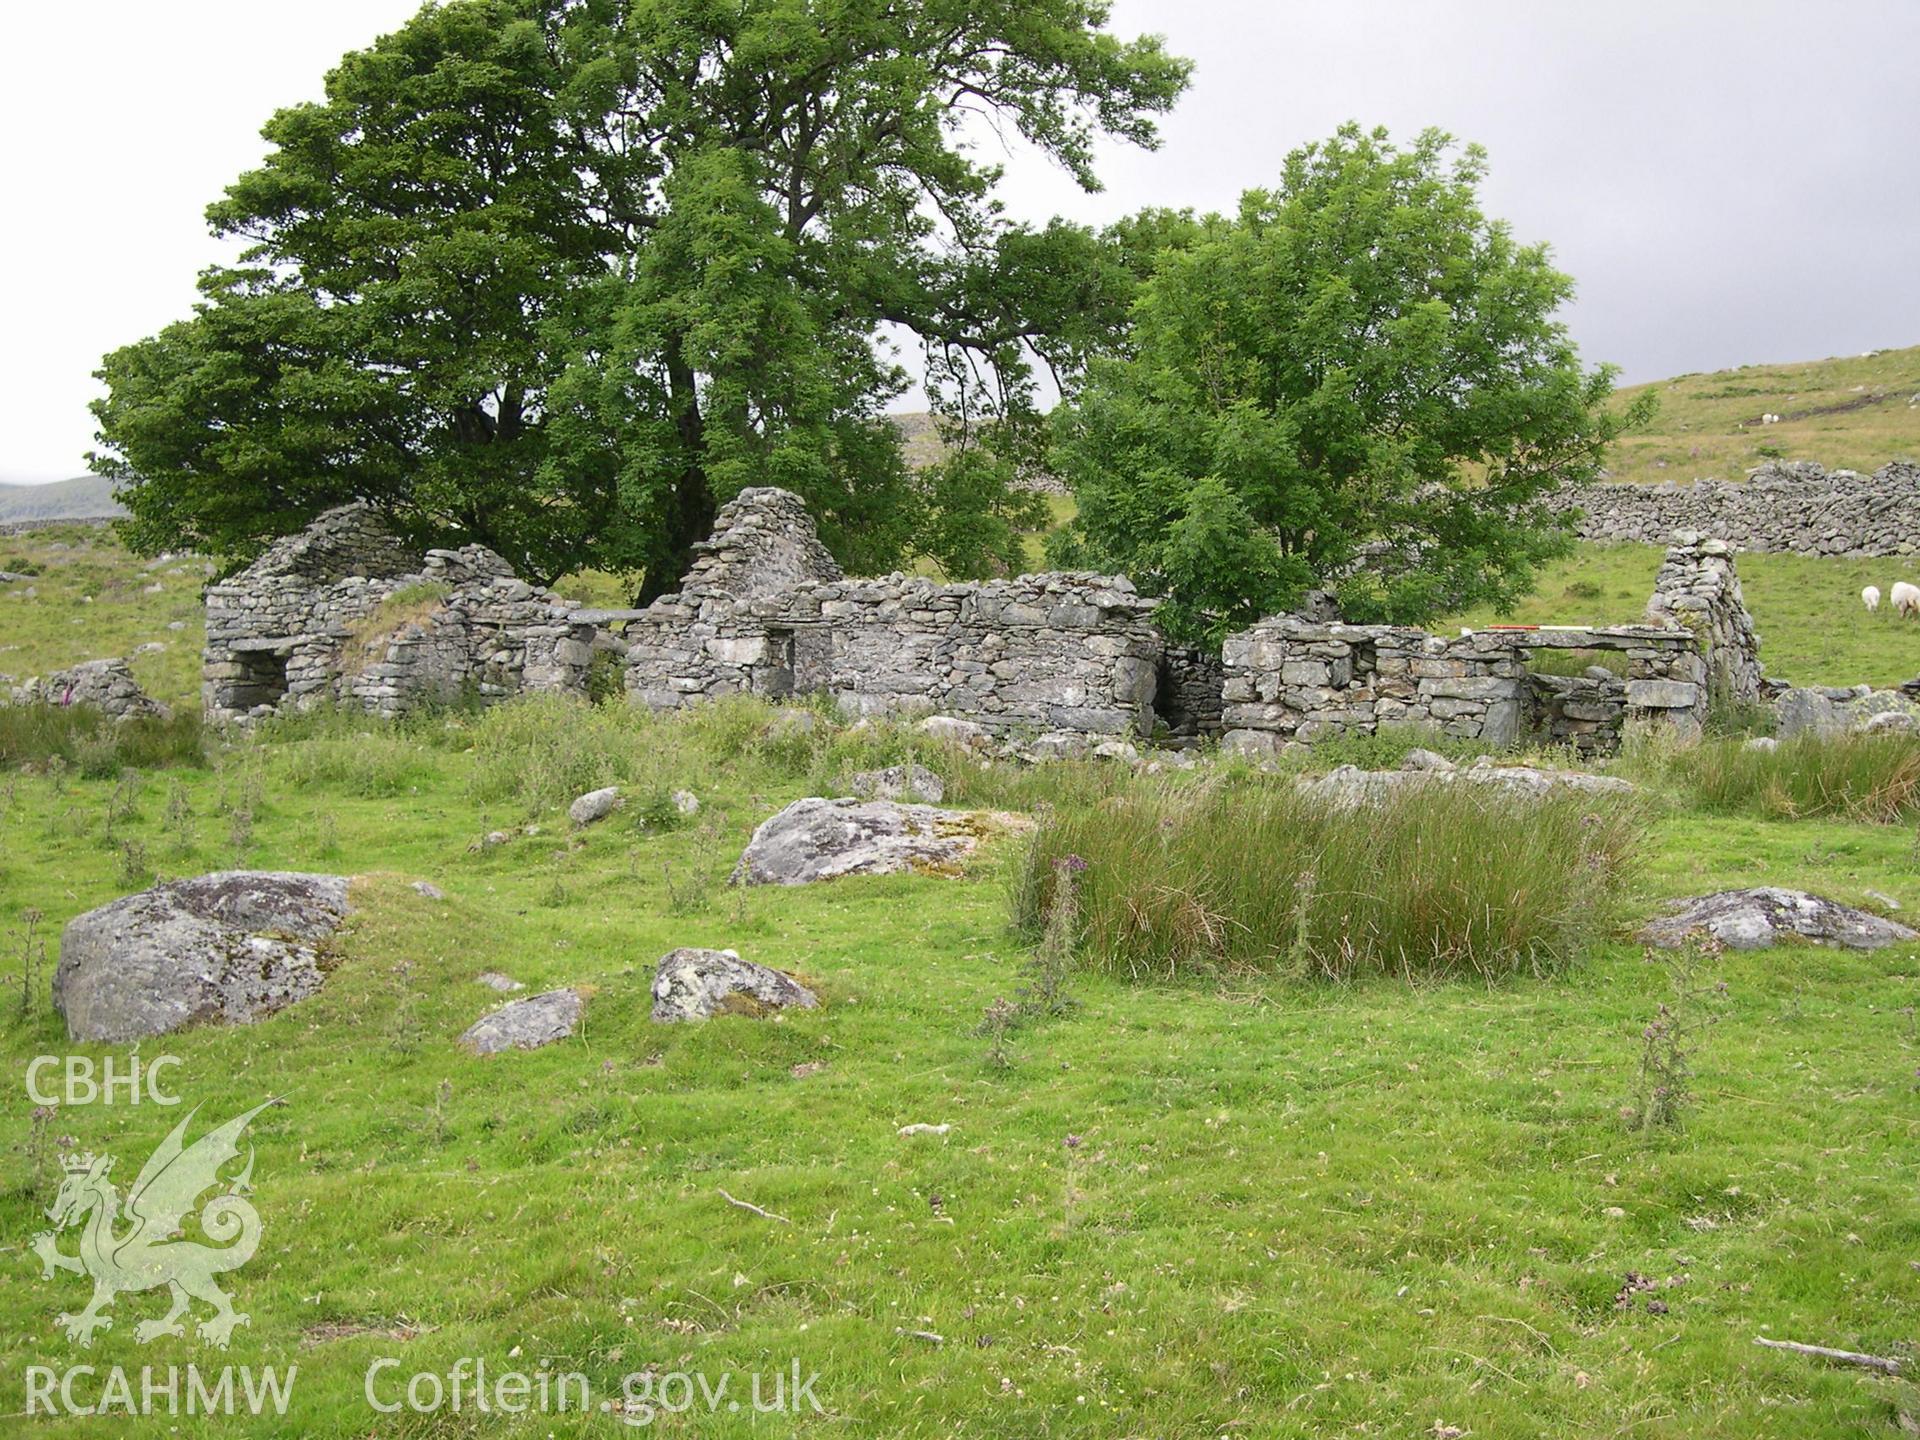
(751, 1208)
(1844, 1357)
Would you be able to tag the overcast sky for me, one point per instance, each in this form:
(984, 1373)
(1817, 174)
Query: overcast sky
(1729, 181)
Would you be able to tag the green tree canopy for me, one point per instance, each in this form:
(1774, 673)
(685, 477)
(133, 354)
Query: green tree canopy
(1356, 382)
(563, 275)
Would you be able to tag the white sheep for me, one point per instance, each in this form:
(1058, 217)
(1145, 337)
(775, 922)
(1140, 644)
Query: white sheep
(1870, 597)
(1906, 599)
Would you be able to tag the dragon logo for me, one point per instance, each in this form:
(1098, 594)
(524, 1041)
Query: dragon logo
(148, 1251)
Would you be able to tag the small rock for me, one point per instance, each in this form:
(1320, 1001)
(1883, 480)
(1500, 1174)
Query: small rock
(1754, 919)
(594, 806)
(176, 625)
(1426, 760)
(1060, 745)
(1891, 722)
(1122, 750)
(493, 839)
(693, 984)
(526, 1024)
(1760, 742)
(1885, 902)
(428, 889)
(494, 980)
(685, 802)
(955, 731)
(920, 1127)
(790, 723)
(899, 782)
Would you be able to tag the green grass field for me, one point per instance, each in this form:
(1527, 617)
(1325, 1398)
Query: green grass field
(1229, 1206)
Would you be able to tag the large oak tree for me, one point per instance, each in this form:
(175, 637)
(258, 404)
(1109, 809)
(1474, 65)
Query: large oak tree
(562, 275)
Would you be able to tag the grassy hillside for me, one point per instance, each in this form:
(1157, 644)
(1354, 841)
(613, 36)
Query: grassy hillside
(1237, 1205)
(86, 498)
(85, 597)
(1853, 412)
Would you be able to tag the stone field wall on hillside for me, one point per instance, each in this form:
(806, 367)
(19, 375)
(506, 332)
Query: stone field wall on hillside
(1797, 507)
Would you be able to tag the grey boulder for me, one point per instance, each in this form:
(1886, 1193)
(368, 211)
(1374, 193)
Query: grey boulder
(816, 839)
(951, 730)
(526, 1024)
(1349, 785)
(1754, 919)
(899, 782)
(692, 984)
(227, 948)
(1827, 712)
(595, 805)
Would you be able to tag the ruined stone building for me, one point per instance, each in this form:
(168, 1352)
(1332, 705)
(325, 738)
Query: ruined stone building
(766, 611)
(343, 612)
(1291, 679)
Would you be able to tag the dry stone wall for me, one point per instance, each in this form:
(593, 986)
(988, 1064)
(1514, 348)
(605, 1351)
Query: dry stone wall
(1798, 507)
(1698, 590)
(343, 612)
(1290, 680)
(1294, 680)
(1062, 651)
(104, 685)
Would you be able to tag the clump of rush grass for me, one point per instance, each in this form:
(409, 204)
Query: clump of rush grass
(1437, 882)
(541, 751)
(377, 764)
(1860, 777)
(35, 734)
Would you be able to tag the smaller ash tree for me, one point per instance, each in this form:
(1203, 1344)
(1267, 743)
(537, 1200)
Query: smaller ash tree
(1356, 382)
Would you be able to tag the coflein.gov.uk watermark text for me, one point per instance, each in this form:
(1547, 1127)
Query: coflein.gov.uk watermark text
(469, 1387)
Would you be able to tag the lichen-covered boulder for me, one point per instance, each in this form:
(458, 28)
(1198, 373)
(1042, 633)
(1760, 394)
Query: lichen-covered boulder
(1349, 785)
(227, 948)
(899, 782)
(692, 984)
(816, 839)
(526, 1024)
(1828, 712)
(1754, 919)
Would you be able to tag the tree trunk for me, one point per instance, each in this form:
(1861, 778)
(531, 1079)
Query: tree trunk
(689, 512)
